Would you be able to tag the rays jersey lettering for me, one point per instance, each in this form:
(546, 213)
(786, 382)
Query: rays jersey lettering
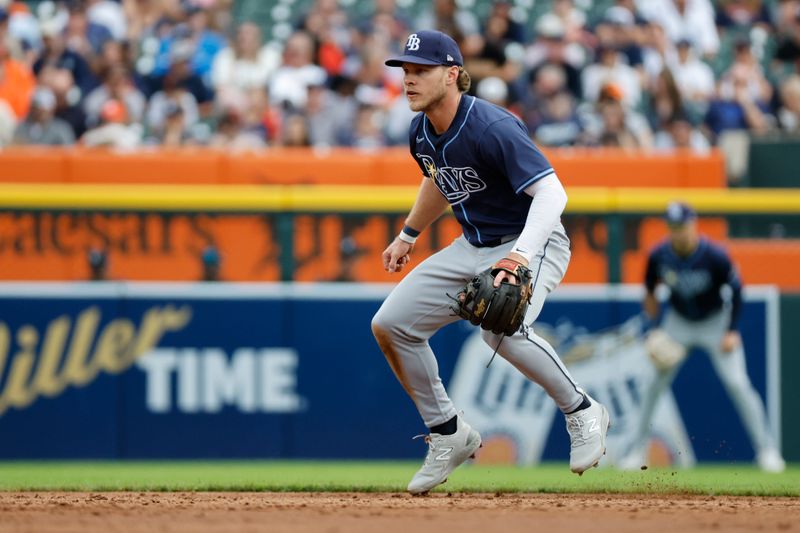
(695, 282)
(455, 183)
(687, 283)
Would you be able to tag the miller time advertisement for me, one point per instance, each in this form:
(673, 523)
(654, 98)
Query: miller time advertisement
(266, 370)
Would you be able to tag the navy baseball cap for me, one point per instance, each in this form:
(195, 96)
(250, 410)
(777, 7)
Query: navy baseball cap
(429, 48)
(679, 213)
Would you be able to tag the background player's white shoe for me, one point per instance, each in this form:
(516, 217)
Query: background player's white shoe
(770, 460)
(587, 432)
(445, 454)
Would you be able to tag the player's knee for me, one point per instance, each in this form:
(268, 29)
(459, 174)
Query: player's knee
(378, 325)
(382, 325)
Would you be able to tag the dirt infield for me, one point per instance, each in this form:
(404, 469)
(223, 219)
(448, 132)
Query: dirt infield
(388, 513)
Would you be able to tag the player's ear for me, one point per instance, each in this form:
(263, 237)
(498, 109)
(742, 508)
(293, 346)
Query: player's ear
(452, 75)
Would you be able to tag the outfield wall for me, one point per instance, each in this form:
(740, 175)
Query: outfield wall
(123, 370)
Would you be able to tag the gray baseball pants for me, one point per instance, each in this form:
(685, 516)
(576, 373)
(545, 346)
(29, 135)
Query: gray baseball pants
(730, 367)
(418, 307)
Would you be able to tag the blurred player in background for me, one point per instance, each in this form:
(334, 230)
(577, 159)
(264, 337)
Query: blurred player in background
(478, 158)
(696, 271)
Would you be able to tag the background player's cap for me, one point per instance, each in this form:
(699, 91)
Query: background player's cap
(679, 213)
(428, 48)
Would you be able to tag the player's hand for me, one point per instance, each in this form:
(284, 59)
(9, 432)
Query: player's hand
(511, 278)
(395, 256)
(730, 341)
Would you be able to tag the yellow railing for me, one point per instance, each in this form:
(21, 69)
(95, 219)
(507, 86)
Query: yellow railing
(363, 199)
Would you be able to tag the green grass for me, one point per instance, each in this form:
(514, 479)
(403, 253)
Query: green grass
(383, 476)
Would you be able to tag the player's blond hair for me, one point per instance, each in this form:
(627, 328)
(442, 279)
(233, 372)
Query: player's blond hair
(464, 81)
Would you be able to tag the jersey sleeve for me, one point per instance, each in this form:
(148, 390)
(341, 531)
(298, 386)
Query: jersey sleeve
(412, 143)
(506, 146)
(728, 275)
(651, 272)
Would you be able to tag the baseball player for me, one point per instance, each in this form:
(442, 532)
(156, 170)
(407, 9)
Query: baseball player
(695, 270)
(476, 158)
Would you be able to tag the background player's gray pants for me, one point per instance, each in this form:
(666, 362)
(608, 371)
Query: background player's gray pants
(730, 367)
(418, 307)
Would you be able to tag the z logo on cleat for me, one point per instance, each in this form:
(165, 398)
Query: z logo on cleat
(445, 455)
(593, 425)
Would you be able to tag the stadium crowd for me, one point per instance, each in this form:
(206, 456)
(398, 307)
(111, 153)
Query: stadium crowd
(652, 74)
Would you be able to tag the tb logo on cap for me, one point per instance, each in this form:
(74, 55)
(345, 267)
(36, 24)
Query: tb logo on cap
(413, 42)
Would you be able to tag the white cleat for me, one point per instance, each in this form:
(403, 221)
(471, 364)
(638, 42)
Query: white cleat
(587, 432)
(445, 454)
(770, 460)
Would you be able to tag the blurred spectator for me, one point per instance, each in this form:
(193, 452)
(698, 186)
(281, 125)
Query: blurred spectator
(108, 14)
(289, 85)
(327, 25)
(546, 82)
(56, 54)
(164, 102)
(84, 37)
(210, 262)
(684, 17)
(330, 116)
(98, 264)
(41, 127)
(758, 85)
(615, 131)
(295, 131)
(8, 123)
(736, 106)
(494, 90)
(679, 133)
(375, 87)
(786, 13)
(665, 100)
(22, 26)
(117, 85)
(491, 60)
(366, 133)
(16, 80)
(461, 24)
(113, 130)
(694, 78)
(258, 114)
(788, 47)
(174, 130)
(501, 18)
(618, 30)
(202, 45)
(789, 111)
(326, 85)
(551, 48)
(610, 68)
(741, 13)
(180, 74)
(574, 21)
(68, 105)
(246, 64)
(559, 124)
(610, 123)
(231, 134)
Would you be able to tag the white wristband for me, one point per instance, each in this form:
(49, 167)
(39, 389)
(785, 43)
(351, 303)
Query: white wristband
(405, 237)
(524, 252)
